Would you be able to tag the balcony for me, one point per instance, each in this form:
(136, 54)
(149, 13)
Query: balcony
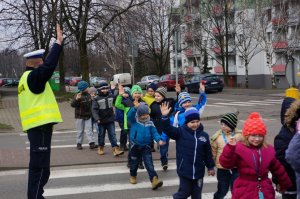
(217, 50)
(279, 21)
(279, 68)
(280, 45)
(218, 69)
(216, 31)
(188, 53)
(187, 18)
(188, 36)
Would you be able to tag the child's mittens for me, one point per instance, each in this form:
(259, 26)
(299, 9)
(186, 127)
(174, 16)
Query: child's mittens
(211, 172)
(161, 143)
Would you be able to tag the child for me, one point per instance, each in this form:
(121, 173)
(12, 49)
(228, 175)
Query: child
(193, 152)
(155, 115)
(82, 103)
(225, 177)
(185, 102)
(149, 96)
(254, 158)
(103, 113)
(288, 117)
(142, 132)
(121, 115)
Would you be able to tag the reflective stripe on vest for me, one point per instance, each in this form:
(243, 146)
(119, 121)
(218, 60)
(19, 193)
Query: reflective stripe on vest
(36, 109)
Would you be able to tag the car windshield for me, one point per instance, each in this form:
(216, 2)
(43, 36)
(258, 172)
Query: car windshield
(153, 77)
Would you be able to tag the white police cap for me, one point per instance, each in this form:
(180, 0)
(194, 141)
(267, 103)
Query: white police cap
(35, 54)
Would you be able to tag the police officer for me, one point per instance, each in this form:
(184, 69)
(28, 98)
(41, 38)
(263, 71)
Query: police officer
(39, 112)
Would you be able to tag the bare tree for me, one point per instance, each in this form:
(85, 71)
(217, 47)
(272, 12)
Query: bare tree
(87, 19)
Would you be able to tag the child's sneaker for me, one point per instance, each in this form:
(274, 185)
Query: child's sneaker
(116, 151)
(156, 183)
(132, 180)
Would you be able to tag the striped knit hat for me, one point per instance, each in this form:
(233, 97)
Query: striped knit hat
(230, 119)
(183, 97)
(162, 91)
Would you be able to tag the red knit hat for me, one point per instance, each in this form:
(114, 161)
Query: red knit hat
(254, 125)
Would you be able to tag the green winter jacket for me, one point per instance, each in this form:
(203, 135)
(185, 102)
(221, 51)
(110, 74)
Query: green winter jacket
(119, 105)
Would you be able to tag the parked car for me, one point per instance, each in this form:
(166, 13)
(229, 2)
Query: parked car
(68, 80)
(96, 81)
(122, 78)
(74, 81)
(146, 80)
(210, 81)
(3, 81)
(11, 82)
(169, 81)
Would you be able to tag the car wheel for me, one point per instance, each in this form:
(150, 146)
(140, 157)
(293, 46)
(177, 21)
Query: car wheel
(220, 90)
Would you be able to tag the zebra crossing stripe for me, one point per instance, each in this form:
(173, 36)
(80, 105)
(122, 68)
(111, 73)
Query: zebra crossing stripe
(233, 104)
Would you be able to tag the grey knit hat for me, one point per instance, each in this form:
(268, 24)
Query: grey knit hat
(142, 109)
(162, 91)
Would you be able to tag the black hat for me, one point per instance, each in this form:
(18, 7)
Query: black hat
(230, 119)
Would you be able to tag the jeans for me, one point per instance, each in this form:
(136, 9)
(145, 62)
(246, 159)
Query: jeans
(84, 125)
(110, 128)
(123, 135)
(39, 165)
(189, 187)
(136, 154)
(164, 152)
(225, 180)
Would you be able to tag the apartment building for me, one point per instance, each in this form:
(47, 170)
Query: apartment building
(268, 62)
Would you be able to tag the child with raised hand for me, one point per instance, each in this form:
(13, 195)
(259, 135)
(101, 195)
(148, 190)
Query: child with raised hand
(82, 102)
(253, 158)
(193, 152)
(225, 177)
(184, 102)
(142, 133)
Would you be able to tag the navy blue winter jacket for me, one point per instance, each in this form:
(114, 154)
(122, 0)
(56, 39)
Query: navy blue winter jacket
(193, 151)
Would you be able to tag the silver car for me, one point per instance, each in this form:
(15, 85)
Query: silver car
(146, 80)
(95, 81)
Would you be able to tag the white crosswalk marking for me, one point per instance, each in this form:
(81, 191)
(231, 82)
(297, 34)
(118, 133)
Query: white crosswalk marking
(267, 102)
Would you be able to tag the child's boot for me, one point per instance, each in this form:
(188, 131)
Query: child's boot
(101, 150)
(156, 183)
(117, 151)
(132, 180)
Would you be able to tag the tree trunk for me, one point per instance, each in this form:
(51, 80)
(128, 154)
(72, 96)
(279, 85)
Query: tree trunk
(84, 64)
(247, 77)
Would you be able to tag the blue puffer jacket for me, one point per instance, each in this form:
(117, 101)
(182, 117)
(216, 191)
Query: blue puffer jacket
(193, 151)
(141, 134)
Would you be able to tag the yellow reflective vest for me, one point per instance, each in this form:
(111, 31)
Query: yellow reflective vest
(36, 109)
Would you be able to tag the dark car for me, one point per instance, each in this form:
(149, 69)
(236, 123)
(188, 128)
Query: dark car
(12, 83)
(210, 81)
(169, 81)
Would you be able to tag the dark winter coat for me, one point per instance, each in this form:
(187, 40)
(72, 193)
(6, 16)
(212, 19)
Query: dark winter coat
(155, 113)
(242, 157)
(193, 150)
(83, 106)
(102, 108)
(282, 140)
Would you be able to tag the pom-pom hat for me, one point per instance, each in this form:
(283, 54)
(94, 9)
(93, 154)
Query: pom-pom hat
(254, 125)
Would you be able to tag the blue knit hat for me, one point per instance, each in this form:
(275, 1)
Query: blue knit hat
(142, 109)
(152, 85)
(82, 85)
(183, 97)
(191, 114)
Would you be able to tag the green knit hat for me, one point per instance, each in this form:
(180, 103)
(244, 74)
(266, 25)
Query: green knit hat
(136, 88)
